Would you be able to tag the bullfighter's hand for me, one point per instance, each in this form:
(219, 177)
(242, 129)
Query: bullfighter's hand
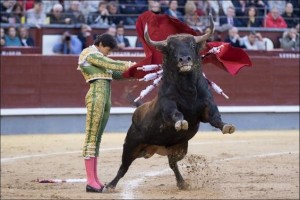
(132, 63)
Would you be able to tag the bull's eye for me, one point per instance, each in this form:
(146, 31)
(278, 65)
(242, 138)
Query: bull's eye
(193, 46)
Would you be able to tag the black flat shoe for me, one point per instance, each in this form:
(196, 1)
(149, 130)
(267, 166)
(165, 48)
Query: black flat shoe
(89, 188)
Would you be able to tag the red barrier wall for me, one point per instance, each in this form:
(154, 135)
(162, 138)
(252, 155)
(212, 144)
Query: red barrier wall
(31, 81)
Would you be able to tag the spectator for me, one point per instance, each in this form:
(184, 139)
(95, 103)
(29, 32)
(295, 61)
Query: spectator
(274, 20)
(298, 28)
(57, 15)
(88, 6)
(252, 20)
(220, 7)
(290, 40)
(28, 4)
(240, 8)
(133, 8)
(85, 32)
(181, 4)
(2, 37)
(5, 10)
(234, 38)
(138, 43)
(173, 10)
(74, 13)
(122, 41)
(253, 41)
(142, 5)
(36, 15)
(280, 4)
(230, 18)
(201, 7)
(191, 17)
(113, 11)
(48, 5)
(17, 14)
(11, 38)
(68, 45)
(204, 8)
(112, 31)
(262, 6)
(289, 16)
(154, 6)
(25, 39)
(100, 17)
(164, 5)
(296, 6)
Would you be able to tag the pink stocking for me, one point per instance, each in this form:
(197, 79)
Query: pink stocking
(90, 172)
(96, 173)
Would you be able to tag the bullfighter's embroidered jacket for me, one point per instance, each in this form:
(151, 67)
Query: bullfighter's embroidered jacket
(94, 65)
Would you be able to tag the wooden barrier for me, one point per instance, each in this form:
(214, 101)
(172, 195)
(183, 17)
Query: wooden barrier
(34, 81)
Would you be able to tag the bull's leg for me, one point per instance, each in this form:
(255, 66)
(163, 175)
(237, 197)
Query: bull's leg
(173, 158)
(128, 157)
(172, 115)
(213, 116)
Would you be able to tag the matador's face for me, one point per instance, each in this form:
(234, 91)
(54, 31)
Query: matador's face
(104, 50)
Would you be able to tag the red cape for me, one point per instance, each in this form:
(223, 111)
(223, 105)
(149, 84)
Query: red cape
(160, 27)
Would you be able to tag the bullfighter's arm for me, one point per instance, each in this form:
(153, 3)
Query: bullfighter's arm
(104, 62)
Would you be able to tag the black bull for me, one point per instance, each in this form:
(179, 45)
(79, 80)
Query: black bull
(166, 124)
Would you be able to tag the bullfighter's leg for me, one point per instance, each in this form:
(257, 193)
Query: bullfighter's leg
(173, 158)
(128, 157)
(98, 106)
(213, 116)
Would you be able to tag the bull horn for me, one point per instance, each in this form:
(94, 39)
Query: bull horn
(208, 34)
(156, 44)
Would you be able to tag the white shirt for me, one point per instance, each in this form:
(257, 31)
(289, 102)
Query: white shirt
(257, 45)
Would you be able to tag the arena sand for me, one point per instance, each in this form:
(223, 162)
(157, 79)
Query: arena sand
(244, 165)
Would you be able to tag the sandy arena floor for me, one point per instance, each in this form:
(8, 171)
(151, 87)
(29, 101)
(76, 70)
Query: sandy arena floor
(244, 165)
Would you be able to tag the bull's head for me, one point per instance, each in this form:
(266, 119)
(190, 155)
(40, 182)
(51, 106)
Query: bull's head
(181, 50)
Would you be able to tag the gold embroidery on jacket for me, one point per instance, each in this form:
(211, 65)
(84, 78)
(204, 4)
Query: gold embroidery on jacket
(95, 110)
(101, 61)
(104, 67)
(89, 77)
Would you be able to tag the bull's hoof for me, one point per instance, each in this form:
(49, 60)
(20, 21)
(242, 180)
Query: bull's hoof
(183, 186)
(181, 125)
(108, 189)
(228, 129)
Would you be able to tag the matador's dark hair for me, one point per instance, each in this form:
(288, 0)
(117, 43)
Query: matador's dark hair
(106, 40)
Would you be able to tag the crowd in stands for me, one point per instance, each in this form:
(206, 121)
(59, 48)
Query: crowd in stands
(228, 14)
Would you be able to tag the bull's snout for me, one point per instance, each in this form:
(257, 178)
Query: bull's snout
(185, 59)
(185, 63)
